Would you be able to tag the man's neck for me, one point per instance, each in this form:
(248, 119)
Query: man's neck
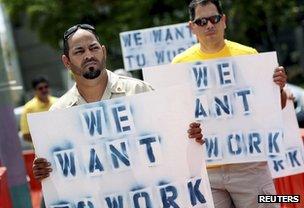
(44, 99)
(212, 47)
(94, 91)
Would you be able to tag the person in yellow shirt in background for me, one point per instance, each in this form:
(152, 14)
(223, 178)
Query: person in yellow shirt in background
(41, 101)
(232, 185)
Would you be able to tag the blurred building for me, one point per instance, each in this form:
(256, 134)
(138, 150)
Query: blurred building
(10, 76)
(36, 58)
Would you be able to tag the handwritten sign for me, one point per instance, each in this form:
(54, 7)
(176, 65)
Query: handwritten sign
(154, 46)
(126, 152)
(291, 161)
(237, 102)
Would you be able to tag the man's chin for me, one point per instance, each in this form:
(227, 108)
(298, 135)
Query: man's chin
(211, 35)
(92, 74)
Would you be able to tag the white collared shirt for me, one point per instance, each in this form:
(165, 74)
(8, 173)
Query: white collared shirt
(117, 86)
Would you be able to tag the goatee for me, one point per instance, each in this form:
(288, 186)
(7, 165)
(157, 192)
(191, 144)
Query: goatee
(92, 73)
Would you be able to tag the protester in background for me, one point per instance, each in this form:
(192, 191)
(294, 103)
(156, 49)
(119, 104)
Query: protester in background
(86, 58)
(42, 101)
(236, 185)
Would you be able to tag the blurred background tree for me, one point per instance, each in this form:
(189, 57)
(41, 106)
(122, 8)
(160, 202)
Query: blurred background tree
(266, 25)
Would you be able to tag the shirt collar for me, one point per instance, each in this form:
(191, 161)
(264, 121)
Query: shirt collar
(39, 102)
(114, 86)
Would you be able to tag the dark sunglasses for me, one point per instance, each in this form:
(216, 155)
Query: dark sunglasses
(204, 20)
(43, 87)
(74, 28)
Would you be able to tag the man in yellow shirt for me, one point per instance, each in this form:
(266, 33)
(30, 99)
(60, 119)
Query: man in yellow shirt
(234, 185)
(42, 101)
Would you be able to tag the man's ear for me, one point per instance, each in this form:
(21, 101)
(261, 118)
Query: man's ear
(66, 61)
(104, 51)
(190, 25)
(224, 19)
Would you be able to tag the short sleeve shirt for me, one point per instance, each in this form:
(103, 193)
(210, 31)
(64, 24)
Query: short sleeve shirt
(231, 48)
(34, 106)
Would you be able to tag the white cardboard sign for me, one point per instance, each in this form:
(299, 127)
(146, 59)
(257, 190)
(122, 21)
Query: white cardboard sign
(237, 102)
(154, 46)
(126, 152)
(293, 161)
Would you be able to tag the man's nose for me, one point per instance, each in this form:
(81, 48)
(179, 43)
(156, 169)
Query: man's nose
(88, 54)
(209, 24)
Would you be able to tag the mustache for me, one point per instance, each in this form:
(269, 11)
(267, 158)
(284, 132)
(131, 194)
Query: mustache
(212, 30)
(89, 60)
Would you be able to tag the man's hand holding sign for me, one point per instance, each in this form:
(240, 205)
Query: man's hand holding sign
(280, 78)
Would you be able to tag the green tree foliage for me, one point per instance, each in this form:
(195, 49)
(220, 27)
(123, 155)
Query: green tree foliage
(50, 18)
(265, 25)
(258, 23)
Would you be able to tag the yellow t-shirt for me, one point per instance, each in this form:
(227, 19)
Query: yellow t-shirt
(34, 106)
(194, 53)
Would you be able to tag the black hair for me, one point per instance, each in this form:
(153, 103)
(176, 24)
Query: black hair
(39, 79)
(69, 32)
(194, 3)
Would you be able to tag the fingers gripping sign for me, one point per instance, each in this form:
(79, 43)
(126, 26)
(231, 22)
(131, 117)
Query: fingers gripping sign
(41, 168)
(195, 132)
(280, 77)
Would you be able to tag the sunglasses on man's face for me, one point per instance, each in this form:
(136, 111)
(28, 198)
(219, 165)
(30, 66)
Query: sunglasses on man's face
(204, 20)
(73, 29)
(45, 87)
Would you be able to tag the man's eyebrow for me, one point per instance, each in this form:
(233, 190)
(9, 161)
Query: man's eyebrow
(93, 44)
(77, 48)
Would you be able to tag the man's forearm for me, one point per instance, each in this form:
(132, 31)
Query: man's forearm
(283, 99)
